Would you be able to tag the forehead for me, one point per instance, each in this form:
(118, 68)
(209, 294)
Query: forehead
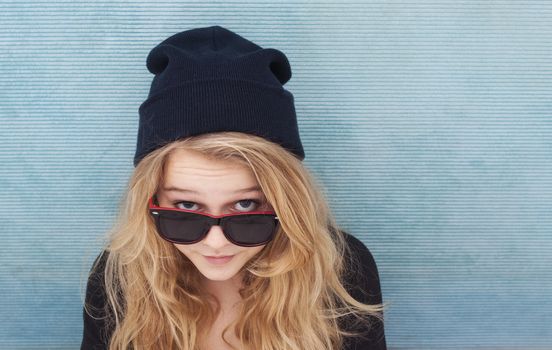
(192, 170)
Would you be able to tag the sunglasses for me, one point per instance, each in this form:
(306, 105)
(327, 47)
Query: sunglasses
(183, 226)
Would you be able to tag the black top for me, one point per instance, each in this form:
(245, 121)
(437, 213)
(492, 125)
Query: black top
(363, 284)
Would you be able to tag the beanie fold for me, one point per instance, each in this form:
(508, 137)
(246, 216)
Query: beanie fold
(225, 104)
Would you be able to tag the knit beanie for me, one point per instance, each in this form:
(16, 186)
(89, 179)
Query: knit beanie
(211, 79)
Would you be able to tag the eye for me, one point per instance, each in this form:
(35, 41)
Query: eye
(248, 204)
(185, 205)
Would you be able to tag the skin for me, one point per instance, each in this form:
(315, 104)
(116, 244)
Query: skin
(215, 184)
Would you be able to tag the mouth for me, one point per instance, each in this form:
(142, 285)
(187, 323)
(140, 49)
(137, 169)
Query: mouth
(218, 260)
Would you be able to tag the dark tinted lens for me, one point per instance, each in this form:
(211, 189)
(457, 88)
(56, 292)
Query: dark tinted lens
(250, 229)
(182, 227)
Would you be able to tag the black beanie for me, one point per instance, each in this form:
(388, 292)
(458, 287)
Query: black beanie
(211, 79)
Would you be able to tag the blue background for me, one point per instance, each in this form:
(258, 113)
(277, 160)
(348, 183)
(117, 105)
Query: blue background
(428, 122)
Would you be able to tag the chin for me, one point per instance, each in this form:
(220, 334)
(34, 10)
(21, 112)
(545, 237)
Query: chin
(218, 275)
(218, 278)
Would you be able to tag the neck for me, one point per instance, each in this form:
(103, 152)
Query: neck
(226, 292)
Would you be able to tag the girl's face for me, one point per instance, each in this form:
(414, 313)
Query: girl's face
(194, 182)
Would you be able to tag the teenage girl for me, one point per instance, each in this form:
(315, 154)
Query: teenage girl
(224, 239)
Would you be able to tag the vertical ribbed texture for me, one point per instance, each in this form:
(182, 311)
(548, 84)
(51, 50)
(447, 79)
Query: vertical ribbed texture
(429, 123)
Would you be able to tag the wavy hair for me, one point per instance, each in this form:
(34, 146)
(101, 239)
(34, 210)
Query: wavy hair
(153, 291)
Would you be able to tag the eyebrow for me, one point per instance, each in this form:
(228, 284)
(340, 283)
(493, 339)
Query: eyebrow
(183, 190)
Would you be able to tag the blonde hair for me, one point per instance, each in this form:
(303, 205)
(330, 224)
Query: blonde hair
(154, 296)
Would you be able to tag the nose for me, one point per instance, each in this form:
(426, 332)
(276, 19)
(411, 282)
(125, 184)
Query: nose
(215, 238)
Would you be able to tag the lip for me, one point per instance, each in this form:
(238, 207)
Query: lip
(218, 260)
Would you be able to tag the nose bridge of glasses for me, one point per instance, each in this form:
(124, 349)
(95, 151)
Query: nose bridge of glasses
(214, 221)
(217, 222)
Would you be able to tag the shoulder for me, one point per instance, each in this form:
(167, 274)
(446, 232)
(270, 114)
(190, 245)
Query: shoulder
(361, 271)
(98, 266)
(361, 279)
(359, 249)
(95, 316)
(95, 288)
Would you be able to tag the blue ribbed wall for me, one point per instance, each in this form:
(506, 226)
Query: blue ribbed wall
(428, 122)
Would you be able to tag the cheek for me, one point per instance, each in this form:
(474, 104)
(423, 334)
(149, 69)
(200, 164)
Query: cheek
(253, 251)
(184, 249)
